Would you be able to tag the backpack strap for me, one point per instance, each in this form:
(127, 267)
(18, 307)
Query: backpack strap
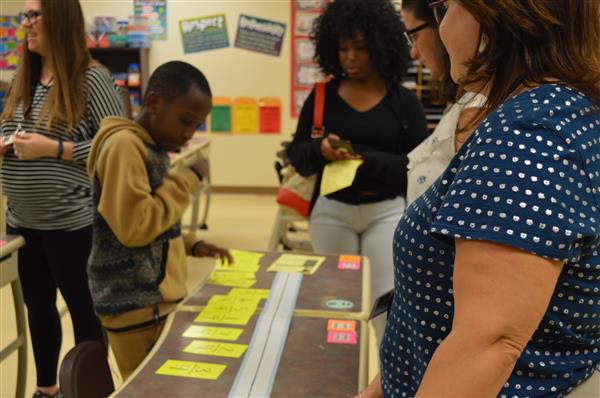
(319, 111)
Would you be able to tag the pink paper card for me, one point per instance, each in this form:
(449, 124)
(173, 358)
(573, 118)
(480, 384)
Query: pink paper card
(341, 337)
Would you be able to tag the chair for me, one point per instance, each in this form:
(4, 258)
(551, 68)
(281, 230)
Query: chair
(85, 373)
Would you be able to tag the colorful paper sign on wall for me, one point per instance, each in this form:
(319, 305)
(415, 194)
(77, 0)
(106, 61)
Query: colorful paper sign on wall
(220, 116)
(204, 33)
(305, 72)
(270, 115)
(155, 14)
(12, 35)
(196, 370)
(245, 115)
(260, 35)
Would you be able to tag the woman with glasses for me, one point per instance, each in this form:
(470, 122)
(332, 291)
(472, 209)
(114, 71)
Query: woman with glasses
(497, 265)
(428, 161)
(359, 43)
(53, 109)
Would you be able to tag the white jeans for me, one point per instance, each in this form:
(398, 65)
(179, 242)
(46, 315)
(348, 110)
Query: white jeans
(367, 229)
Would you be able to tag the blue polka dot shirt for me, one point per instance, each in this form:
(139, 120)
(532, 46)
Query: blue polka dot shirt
(529, 178)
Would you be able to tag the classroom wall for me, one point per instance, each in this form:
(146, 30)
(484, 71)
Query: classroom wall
(236, 160)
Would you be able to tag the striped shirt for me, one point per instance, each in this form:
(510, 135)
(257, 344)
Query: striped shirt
(52, 194)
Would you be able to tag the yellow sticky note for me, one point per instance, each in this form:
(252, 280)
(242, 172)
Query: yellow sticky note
(233, 274)
(339, 175)
(228, 310)
(232, 282)
(215, 348)
(236, 317)
(241, 292)
(213, 333)
(196, 370)
(232, 302)
(307, 265)
(235, 253)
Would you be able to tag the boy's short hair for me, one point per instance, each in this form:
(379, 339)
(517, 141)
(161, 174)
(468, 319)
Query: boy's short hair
(175, 78)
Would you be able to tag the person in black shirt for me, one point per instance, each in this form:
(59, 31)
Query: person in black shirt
(360, 45)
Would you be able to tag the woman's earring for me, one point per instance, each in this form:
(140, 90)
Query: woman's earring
(482, 44)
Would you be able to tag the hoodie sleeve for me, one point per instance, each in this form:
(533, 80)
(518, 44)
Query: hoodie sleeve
(135, 213)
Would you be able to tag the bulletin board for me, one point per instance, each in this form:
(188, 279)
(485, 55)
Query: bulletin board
(12, 37)
(305, 72)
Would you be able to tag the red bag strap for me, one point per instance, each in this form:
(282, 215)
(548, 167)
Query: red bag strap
(319, 110)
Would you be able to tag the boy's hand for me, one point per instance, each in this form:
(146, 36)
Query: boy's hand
(201, 167)
(203, 249)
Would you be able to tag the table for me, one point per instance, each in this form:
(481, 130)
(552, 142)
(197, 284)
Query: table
(309, 366)
(197, 148)
(9, 273)
(318, 292)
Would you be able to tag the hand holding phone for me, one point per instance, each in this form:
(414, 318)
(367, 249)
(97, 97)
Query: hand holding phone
(341, 145)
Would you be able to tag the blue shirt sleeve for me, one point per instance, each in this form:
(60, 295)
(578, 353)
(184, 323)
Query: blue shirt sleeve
(519, 183)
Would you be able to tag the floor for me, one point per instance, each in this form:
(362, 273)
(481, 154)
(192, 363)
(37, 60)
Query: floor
(235, 221)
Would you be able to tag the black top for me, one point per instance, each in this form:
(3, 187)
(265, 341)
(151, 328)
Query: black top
(383, 135)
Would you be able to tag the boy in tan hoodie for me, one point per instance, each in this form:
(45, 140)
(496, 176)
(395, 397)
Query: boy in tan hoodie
(137, 269)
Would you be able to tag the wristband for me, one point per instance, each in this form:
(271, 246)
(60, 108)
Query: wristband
(61, 148)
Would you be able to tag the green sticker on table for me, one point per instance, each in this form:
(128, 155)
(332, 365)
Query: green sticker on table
(338, 304)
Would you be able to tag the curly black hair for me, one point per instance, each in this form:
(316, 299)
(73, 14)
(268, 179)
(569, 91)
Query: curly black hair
(381, 26)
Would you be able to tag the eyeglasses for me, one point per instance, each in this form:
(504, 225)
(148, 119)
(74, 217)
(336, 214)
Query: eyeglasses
(411, 35)
(31, 16)
(439, 8)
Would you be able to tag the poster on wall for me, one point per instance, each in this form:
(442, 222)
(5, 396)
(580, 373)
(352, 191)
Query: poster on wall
(12, 34)
(204, 33)
(155, 14)
(305, 72)
(260, 35)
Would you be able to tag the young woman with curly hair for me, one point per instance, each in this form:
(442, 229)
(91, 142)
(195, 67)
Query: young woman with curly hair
(360, 45)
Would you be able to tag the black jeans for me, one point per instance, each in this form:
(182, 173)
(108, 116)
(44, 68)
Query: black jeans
(50, 260)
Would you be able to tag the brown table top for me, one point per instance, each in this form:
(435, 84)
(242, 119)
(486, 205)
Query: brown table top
(309, 366)
(328, 283)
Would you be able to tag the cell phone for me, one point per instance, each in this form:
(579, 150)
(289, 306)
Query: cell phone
(341, 145)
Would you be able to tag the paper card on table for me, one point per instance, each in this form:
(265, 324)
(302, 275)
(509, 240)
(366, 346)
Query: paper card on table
(197, 370)
(339, 175)
(228, 310)
(336, 325)
(215, 348)
(241, 292)
(341, 337)
(232, 282)
(349, 262)
(229, 302)
(297, 263)
(213, 333)
(233, 274)
(226, 318)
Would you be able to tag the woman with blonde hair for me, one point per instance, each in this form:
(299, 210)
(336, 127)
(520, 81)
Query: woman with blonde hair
(497, 267)
(52, 111)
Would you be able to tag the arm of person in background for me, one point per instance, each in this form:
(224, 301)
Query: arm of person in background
(199, 248)
(391, 168)
(103, 100)
(500, 297)
(373, 390)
